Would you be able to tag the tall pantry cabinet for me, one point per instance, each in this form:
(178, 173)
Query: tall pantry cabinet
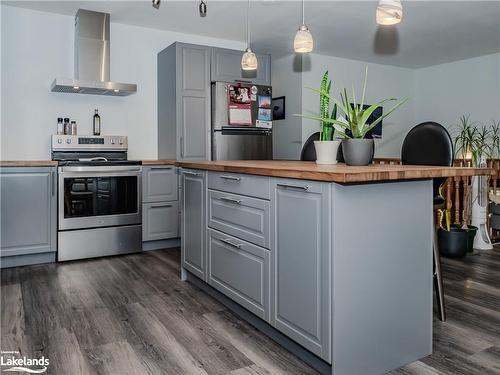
(184, 102)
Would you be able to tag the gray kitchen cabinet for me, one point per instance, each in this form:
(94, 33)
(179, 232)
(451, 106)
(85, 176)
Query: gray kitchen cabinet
(160, 221)
(28, 211)
(226, 66)
(184, 102)
(193, 237)
(301, 263)
(240, 270)
(159, 183)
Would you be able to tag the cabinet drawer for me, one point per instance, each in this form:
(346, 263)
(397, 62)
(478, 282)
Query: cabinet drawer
(244, 217)
(241, 271)
(160, 221)
(159, 184)
(244, 184)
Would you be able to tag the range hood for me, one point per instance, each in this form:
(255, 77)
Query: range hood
(92, 47)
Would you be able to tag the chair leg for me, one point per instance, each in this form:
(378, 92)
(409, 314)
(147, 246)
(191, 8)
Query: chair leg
(438, 280)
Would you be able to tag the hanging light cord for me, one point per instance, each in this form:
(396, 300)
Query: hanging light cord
(303, 19)
(248, 24)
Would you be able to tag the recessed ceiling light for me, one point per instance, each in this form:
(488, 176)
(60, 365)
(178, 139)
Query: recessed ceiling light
(116, 90)
(76, 87)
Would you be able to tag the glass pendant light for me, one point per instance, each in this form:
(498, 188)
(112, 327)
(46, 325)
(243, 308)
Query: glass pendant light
(248, 60)
(389, 12)
(303, 42)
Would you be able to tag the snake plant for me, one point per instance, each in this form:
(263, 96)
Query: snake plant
(355, 123)
(326, 127)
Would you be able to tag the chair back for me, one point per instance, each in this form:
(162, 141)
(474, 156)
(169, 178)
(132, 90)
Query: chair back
(428, 143)
(308, 152)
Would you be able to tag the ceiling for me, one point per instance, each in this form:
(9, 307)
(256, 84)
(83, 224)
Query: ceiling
(432, 32)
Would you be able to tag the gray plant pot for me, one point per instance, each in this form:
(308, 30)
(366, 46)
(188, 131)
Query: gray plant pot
(358, 151)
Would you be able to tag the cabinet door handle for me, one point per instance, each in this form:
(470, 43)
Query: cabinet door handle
(237, 245)
(160, 205)
(53, 182)
(288, 186)
(229, 199)
(232, 178)
(190, 173)
(181, 146)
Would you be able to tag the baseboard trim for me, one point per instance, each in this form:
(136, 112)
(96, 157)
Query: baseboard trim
(161, 244)
(27, 260)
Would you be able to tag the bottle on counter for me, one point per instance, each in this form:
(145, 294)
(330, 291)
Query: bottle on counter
(97, 123)
(67, 126)
(73, 128)
(60, 126)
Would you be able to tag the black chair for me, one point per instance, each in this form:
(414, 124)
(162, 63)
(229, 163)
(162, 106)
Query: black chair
(308, 152)
(429, 143)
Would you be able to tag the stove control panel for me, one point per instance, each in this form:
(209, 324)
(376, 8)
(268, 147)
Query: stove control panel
(89, 142)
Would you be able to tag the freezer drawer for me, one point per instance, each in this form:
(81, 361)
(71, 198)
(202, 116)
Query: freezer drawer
(244, 145)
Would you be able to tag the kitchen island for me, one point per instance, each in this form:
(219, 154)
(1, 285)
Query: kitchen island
(337, 259)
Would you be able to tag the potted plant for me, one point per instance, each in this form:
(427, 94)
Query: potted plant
(354, 126)
(452, 239)
(327, 146)
(478, 142)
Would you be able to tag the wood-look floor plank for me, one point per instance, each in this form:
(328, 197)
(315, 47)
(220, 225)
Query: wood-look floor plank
(149, 337)
(256, 346)
(489, 358)
(64, 354)
(12, 321)
(210, 348)
(115, 358)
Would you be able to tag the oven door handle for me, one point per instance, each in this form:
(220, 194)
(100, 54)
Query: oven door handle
(106, 169)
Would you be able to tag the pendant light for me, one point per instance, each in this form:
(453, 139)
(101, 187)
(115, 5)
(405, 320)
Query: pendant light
(303, 42)
(389, 12)
(248, 60)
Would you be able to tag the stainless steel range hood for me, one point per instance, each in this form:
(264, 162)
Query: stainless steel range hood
(92, 47)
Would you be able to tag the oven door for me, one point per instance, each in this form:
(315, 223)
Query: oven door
(99, 196)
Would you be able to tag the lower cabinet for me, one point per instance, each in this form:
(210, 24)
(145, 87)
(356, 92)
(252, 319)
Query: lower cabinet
(301, 263)
(160, 221)
(239, 270)
(193, 237)
(28, 211)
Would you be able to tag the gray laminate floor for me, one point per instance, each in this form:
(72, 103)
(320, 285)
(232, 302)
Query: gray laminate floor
(132, 315)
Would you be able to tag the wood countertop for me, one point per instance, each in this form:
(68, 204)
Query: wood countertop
(339, 173)
(28, 163)
(159, 162)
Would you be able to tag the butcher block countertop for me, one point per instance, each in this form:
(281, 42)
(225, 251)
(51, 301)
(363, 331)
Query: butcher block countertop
(339, 173)
(159, 162)
(28, 163)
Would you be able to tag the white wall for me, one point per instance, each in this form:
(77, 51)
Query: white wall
(37, 47)
(469, 87)
(287, 133)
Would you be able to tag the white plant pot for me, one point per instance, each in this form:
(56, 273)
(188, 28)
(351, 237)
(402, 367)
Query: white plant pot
(326, 151)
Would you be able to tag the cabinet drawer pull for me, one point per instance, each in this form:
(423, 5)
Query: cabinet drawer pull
(232, 178)
(232, 200)
(300, 187)
(160, 168)
(190, 173)
(160, 205)
(237, 245)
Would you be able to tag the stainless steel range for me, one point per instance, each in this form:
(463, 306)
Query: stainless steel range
(99, 203)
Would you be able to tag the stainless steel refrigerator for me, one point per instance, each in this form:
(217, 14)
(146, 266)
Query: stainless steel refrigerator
(241, 121)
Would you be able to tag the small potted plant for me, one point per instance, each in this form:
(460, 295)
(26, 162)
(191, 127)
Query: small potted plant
(452, 239)
(353, 126)
(327, 146)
